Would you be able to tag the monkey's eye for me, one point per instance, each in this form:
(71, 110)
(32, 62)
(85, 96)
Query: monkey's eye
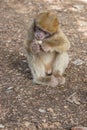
(37, 28)
(47, 34)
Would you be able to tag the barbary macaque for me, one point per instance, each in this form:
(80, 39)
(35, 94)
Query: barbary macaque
(47, 48)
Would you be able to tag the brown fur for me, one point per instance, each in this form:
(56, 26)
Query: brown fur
(43, 20)
(56, 59)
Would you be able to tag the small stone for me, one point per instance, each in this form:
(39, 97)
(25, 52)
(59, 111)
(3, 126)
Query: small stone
(50, 110)
(2, 126)
(9, 88)
(44, 120)
(45, 125)
(42, 110)
(26, 123)
(52, 126)
(65, 107)
(78, 7)
(79, 128)
(58, 124)
(24, 61)
(21, 54)
(9, 40)
(73, 99)
(78, 62)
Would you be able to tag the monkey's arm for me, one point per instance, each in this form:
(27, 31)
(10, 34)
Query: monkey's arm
(58, 42)
(30, 44)
(29, 38)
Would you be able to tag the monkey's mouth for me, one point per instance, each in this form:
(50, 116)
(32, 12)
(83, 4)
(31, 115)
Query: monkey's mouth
(41, 47)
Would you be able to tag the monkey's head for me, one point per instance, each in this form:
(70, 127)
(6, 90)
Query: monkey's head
(47, 22)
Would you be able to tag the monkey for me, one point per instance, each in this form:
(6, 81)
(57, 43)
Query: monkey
(47, 50)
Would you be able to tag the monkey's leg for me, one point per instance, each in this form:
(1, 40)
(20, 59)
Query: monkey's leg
(60, 64)
(38, 70)
(36, 66)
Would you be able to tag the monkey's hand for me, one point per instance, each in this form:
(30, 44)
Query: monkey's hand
(35, 47)
(46, 48)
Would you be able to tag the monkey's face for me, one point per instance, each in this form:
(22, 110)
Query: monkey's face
(45, 25)
(47, 21)
(40, 34)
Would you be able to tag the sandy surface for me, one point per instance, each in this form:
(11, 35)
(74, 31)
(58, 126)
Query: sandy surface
(23, 105)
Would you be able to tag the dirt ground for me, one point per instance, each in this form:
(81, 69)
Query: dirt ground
(23, 105)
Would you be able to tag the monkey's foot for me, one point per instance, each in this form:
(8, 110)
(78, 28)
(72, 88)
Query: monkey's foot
(42, 81)
(50, 81)
(54, 81)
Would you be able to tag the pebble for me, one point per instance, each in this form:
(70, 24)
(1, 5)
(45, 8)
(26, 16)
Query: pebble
(79, 128)
(50, 110)
(41, 110)
(27, 123)
(78, 7)
(2, 126)
(78, 62)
